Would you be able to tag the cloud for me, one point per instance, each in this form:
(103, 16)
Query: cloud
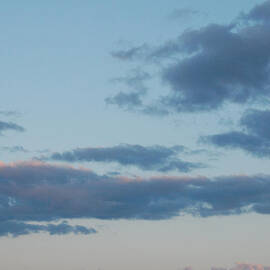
(4, 126)
(15, 229)
(209, 67)
(130, 54)
(183, 13)
(135, 79)
(14, 149)
(254, 136)
(9, 113)
(127, 101)
(254, 121)
(39, 192)
(260, 12)
(239, 266)
(19, 204)
(131, 100)
(157, 157)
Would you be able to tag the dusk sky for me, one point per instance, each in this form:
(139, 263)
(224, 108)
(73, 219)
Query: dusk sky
(135, 135)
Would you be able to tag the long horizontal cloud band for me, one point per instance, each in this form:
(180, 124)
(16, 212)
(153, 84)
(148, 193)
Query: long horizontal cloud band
(212, 65)
(158, 158)
(15, 228)
(42, 192)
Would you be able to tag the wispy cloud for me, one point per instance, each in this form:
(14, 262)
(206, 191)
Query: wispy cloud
(134, 81)
(157, 157)
(183, 13)
(9, 113)
(14, 149)
(130, 54)
(5, 126)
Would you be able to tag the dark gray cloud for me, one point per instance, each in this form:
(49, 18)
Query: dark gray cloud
(254, 136)
(31, 180)
(214, 65)
(260, 12)
(15, 229)
(157, 157)
(42, 192)
(5, 126)
(255, 123)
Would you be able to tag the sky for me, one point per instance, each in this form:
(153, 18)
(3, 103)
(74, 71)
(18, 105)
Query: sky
(134, 135)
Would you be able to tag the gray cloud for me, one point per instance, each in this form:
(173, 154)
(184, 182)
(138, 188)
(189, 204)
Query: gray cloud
(260, 12)
(253, 138)
(255, 122)
(15, 229)
(130, 54)
(214, 65)
(14, 149)
(127, 101)
(4, 126)
(19, 205)
(131, 100)
(157, 157)
(134, 80)
(42, 192)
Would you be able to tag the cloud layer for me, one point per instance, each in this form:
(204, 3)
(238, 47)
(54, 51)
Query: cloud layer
(41, 192)
(157, 157)
(214, 65)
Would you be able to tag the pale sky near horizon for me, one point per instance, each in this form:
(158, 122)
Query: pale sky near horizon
(134, 134)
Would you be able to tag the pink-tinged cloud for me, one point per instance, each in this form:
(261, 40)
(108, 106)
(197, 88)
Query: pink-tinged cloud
(36, 191)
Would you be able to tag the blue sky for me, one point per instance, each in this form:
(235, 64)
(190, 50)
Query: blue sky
(134, 135)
